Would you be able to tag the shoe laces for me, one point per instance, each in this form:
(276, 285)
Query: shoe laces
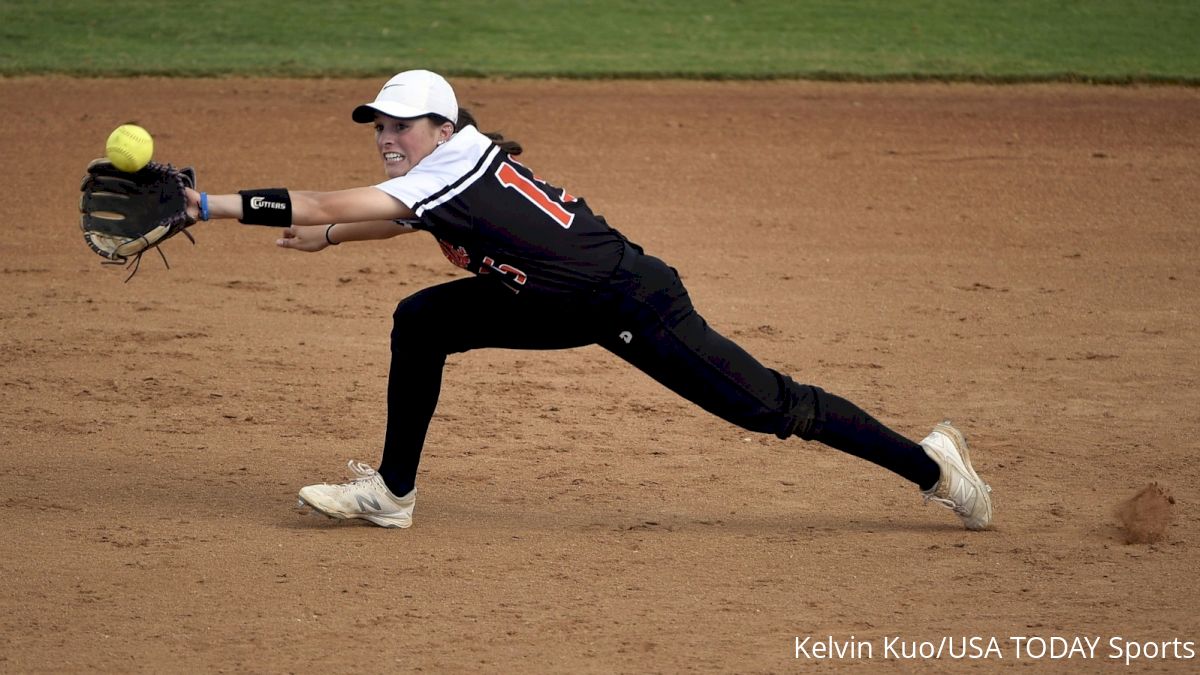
(366, 475)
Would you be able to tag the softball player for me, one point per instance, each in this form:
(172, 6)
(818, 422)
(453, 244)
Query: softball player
(548, 274)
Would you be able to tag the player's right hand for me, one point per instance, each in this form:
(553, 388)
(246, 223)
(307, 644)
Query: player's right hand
(310, 238)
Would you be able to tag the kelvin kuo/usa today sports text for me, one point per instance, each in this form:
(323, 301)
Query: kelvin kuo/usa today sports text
(976, 647)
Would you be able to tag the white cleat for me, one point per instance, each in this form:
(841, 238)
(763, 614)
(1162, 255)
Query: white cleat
(959, 488)
(366, 497)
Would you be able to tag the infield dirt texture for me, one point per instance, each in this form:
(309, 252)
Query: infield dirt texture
(1019, 259)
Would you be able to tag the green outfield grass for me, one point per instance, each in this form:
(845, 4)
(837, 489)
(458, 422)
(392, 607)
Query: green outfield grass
(1000, 40)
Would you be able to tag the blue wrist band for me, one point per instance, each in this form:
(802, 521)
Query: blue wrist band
(203, 206)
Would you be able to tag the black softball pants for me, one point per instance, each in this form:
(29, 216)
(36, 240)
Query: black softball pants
(644, 316)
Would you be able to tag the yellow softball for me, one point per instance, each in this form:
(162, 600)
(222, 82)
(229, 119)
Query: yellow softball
(129, 147)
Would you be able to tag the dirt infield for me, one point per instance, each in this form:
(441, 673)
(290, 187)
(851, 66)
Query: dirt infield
(1022, 260)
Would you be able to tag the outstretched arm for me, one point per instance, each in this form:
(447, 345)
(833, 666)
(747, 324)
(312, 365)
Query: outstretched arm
(318, 219)
(313, 238)
(314, 208)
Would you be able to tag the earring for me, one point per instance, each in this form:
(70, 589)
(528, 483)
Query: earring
(440, 141)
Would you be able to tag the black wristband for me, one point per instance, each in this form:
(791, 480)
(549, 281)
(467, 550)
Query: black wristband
(269, 206)
(327, 239)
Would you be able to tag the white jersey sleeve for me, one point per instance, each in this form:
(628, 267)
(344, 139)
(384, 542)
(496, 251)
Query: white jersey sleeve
(446, 166)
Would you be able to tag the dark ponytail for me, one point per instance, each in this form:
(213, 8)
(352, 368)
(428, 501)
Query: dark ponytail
(465, 118)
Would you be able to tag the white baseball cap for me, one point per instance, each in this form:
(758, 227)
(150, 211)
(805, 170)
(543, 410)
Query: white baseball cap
(413, 93)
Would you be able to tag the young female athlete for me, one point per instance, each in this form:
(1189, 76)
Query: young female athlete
(549, 274)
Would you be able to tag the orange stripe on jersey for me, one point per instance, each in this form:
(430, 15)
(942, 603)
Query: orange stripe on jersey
(511, 178)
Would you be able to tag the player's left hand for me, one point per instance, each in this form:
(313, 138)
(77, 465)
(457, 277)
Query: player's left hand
(193, 203)
(124, 214)
(310, 238)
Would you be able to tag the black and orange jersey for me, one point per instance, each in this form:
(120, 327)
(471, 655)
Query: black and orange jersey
(492, 215)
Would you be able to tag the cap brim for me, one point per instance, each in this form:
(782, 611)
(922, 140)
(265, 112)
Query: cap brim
(366, 112)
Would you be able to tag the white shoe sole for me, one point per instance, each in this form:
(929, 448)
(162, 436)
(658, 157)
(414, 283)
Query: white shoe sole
(381, 521)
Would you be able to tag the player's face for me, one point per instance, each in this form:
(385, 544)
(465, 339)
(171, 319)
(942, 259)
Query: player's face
(403, 143)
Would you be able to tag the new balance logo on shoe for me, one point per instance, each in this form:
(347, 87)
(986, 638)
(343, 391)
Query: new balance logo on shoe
(364, 501)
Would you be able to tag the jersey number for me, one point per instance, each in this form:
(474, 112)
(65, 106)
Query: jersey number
(511, 178)
(518, 277)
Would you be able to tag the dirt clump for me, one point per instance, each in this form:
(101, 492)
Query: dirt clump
(1146, 516)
